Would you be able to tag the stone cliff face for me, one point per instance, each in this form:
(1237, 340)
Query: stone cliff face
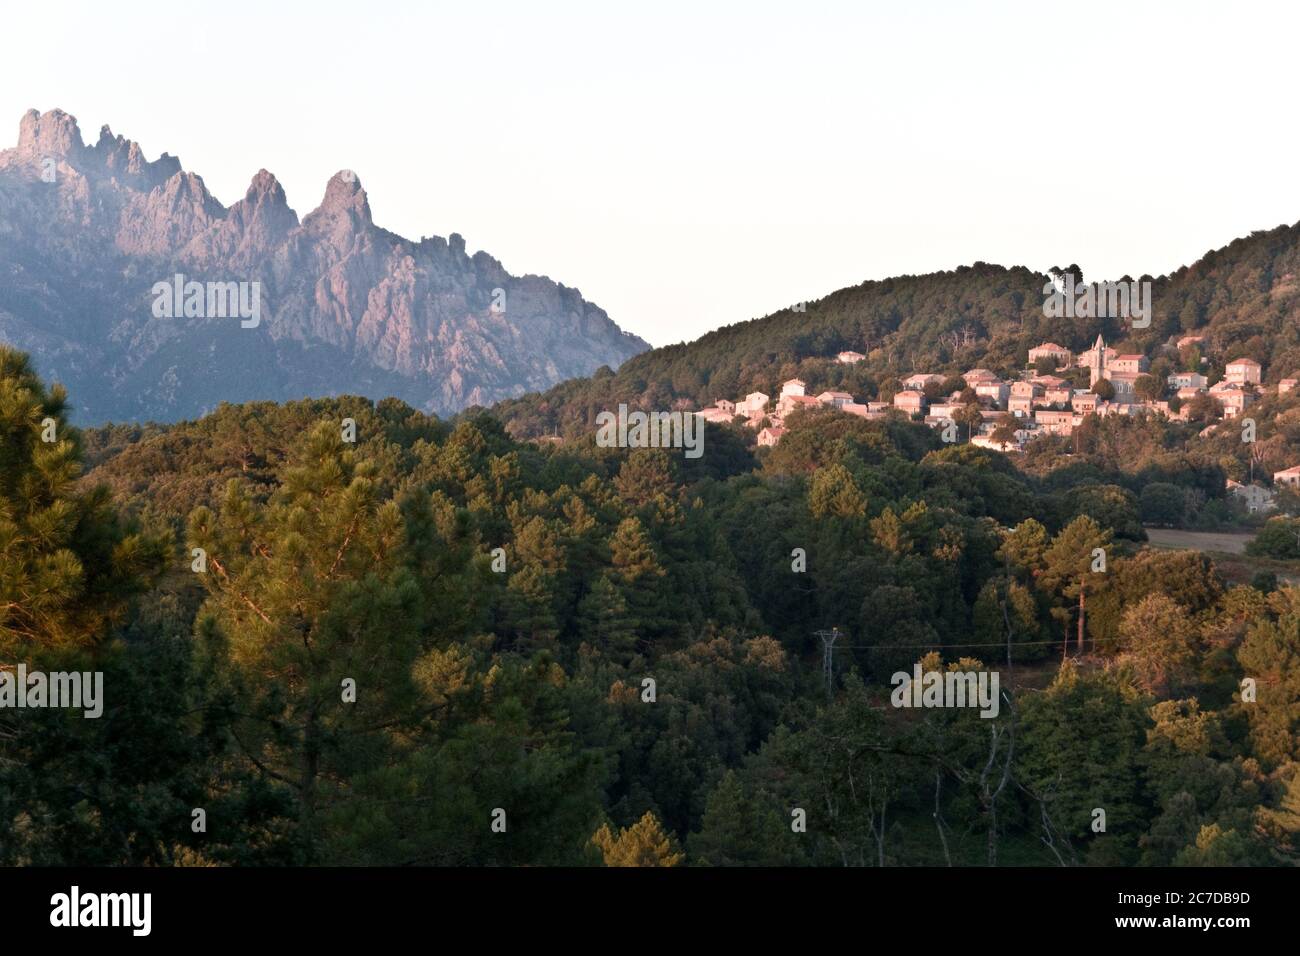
(86, 232)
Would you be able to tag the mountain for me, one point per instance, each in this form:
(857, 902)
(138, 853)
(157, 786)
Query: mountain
(92, 236)
(1244, 298)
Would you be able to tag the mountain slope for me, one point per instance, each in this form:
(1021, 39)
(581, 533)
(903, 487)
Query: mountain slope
(86, 231)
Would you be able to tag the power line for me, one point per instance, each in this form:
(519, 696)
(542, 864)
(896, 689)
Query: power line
(1014, 644)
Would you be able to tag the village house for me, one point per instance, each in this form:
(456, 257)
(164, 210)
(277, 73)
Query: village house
(1020, 407)
(1243, 370)
(725, 405)
(1058, 395)
(977, 375)
(1232, 397)
(1129, 364)
(910, 401)
(1057, 423)
(1188, 340)
(753, 406)
(1083, 402)
(994, 389)
(834, 399)
(1049, 381)
(719, 416)
(1063, 356)
(1188, 380)
(794, 386)
(862, 411)
(1256, 498)
(922, 379)
(788, 403)
(945, 410)
(1287, 385)
(770, 436)
(849, 358)
(1289, 477)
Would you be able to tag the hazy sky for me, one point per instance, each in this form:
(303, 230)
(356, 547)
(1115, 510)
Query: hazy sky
(689, 165)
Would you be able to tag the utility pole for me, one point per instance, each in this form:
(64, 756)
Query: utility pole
(828, 646)
(1006, 588)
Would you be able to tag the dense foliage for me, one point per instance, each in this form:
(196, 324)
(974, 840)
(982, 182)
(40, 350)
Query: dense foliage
(439, 645)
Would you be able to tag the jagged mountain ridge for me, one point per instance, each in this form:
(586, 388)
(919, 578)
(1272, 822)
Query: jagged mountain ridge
(346, 306)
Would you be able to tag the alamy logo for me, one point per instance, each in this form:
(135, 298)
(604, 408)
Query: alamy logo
(74, 909)
(211, 300)
(651, 430)
(946, 689)
(81, 691)
(1097, 300)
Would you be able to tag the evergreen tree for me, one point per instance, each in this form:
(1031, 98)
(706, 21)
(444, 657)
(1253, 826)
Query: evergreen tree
(742, 829)
(1069, 563)
(645, 843)
(68, 566)
(315, 604)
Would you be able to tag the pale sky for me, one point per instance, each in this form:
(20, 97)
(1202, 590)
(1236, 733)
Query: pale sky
(692, 164)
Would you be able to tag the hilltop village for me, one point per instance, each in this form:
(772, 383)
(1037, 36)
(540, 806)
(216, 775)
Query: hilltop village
(1046, 397)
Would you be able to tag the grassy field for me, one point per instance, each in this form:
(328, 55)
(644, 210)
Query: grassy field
(1228, 551)
(1225, 542)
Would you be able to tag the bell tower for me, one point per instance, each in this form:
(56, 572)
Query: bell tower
(1097, 361)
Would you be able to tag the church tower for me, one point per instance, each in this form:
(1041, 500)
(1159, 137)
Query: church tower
(1097, 361)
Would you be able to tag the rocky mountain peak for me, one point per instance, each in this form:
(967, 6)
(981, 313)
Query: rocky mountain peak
(265, 187)
(54, 134)
(123, 158)
(344, 195)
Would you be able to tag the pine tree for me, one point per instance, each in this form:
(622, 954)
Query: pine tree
(645, 843)
(1270, 656)
(603, 620)
(1069, 564)
(636, 569)
(834, 494)
(308, 592)
(68, 567)
(739, 830)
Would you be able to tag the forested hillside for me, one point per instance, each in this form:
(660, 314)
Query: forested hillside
(435, 644)
(1245, 298)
